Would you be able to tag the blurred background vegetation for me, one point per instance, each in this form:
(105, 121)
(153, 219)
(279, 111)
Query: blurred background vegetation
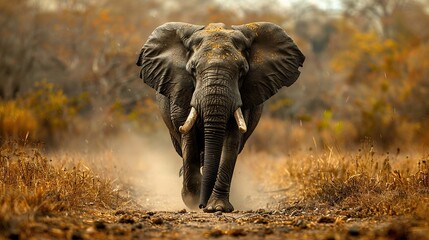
(67, 69)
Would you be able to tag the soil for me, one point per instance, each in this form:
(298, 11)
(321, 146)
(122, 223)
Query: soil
(183, 224)
(293, 222)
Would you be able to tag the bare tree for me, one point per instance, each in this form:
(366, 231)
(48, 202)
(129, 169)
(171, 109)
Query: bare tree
(376, 14)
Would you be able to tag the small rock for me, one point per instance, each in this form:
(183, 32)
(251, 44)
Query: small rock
(127, 220)
(261, 210)
(139, 226)
(77, 235)
(182, 211)
(100, 225)
(301, 224)
(235, 211)
(150, 213)
(119, 212)
(90, 230)
(261, 221)
(326, 219)
(353, 231)
(157, 221)
(218, 213)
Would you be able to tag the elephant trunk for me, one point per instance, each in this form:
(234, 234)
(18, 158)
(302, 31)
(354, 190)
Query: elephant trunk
(213, 142)
(215, 101)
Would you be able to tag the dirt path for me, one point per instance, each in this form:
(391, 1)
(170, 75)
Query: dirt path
(144, 220)
(273, 222)
(260, 224)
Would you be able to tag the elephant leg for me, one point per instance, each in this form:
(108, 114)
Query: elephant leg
(186, 146)
(191, 170)
(219, 200)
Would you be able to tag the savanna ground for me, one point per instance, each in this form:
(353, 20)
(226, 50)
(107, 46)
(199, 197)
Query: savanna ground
(132, 190)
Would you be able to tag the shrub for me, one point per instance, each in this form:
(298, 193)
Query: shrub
(41, 115)
(15, 121)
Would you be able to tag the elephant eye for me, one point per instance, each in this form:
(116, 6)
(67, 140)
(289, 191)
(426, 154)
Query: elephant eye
(192, 69)
(189, 53)
(246, 53)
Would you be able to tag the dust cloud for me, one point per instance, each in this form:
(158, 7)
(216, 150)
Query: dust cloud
(149, 166)
(154, 166)
(247, 191)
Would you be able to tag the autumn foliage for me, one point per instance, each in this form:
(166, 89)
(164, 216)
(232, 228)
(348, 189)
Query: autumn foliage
(67, 69)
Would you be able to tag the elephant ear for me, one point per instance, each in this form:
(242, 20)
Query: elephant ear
(163, 60)
(274, 60)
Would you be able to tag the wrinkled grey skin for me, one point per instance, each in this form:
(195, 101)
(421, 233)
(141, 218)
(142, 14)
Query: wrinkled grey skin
(215, 70)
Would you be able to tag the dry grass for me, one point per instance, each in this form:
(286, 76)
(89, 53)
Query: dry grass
(357, 184)
(372, 186)
(31, 185)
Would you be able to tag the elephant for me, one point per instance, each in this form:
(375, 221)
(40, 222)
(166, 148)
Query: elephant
(211, 82)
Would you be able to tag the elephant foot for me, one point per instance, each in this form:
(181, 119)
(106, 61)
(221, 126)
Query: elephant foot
(191, 193)
(191, 199)
(216, 204)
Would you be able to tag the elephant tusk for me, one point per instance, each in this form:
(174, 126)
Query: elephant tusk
(190, 121)
(240, 120)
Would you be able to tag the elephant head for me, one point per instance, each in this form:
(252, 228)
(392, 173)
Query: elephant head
(213, 72)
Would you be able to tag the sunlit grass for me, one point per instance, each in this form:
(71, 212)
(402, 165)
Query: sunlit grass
(362, 183)
(32, 185)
